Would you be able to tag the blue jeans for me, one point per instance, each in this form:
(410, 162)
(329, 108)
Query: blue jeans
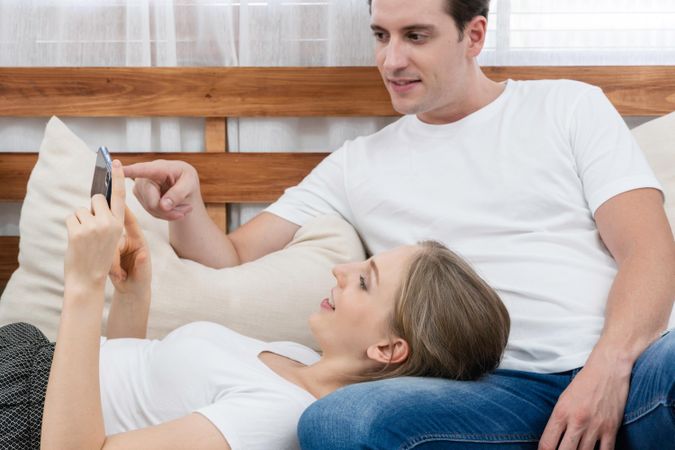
(506, 409)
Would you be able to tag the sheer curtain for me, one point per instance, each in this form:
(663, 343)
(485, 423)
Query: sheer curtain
(288, 33)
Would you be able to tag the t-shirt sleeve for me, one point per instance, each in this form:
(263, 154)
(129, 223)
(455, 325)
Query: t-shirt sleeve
(256, 420)
(321, 192)
(608, 159)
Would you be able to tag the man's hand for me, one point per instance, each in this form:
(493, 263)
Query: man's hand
(591, 408)
(167, 189)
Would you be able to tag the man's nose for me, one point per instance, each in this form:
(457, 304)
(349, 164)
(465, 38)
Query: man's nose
(395, 57)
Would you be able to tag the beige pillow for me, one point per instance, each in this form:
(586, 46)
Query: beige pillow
(657, 140)
(270, 298)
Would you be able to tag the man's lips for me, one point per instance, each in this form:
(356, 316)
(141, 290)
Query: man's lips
(401, 85)
(402, 81)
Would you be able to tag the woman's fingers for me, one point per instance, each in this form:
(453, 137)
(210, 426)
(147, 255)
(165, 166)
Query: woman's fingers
(117, 199)
(83, 215)
(131, 225)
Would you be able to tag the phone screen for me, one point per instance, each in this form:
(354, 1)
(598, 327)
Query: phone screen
(102, 182)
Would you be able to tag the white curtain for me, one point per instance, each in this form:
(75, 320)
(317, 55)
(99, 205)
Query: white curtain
(287, 33)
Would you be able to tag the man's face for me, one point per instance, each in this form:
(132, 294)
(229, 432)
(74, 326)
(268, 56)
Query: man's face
(419, 54)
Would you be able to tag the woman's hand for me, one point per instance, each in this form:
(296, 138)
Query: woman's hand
(93, 236)
(130, 274)
(131, 271)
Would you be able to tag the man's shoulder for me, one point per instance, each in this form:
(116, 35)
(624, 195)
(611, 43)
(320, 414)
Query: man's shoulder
(562, 87)
(560, 96)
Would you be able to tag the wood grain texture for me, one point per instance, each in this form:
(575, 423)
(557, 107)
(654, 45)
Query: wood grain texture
(634, 90)
(15, 168)
(224, 177)
(9, 251)
(192, 91)
(215, 136)
(277, 91)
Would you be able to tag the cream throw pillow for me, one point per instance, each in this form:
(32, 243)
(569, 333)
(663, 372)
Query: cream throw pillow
(657, 140)
(269, 299)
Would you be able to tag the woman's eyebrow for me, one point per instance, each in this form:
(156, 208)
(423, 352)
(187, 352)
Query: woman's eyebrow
(375, 270)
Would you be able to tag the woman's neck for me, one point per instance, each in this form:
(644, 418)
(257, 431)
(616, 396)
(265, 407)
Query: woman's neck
(319, 379)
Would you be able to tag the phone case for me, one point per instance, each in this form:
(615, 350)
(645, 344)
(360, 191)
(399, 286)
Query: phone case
(102, 181)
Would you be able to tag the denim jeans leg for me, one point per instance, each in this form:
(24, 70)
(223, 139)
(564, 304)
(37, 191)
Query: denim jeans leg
(649, 417)
(507, 409)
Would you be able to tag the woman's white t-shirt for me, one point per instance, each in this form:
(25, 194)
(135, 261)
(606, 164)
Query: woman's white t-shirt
(209, 369)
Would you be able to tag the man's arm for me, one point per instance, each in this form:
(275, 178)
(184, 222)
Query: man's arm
(169, 190)
(198, 238)
(635, 230)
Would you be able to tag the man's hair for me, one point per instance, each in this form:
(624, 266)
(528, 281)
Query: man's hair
(463, 11)
(455, 324)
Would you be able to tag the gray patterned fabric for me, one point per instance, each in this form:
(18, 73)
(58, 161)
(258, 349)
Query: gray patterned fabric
(25, 361)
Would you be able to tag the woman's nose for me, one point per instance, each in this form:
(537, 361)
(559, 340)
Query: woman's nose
(340, 273)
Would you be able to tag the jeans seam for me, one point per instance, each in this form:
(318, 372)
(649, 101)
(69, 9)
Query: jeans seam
(640, 413)
(473, 438)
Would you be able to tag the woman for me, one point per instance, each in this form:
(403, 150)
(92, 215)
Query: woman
(415, 310)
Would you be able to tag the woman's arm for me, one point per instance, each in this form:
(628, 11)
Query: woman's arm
(72, 413)
(194, 431)
(131, 274)
(128, 316)
(73, 418)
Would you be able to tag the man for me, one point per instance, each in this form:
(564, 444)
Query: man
(542, 188)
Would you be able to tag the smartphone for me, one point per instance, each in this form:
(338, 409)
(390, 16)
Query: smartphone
(102, 182)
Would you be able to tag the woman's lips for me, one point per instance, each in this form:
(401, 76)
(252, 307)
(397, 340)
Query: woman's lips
(326, 305)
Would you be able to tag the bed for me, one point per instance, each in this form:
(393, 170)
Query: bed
(218, 94)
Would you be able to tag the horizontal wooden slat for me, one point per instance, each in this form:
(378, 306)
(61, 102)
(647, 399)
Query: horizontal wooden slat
(277, 91)
(9, 250)
(191, 91)
(634, 90)
(224, 177)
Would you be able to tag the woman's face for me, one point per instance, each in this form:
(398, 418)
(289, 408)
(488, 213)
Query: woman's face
(357, 312)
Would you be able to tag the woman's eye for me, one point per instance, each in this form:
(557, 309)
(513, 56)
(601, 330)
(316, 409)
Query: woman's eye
(362, 283)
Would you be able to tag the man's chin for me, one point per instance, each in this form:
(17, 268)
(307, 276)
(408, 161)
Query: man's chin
(404, 107)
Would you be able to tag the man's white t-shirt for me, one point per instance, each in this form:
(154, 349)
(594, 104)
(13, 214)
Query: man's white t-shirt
(513, 189)
(209, 369)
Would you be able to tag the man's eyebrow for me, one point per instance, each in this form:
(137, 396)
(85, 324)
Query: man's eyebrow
(415, 27)
(419, 27)
(374, 268)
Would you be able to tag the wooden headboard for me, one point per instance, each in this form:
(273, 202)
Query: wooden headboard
(221, 93)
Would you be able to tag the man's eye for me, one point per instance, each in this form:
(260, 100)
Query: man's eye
(379, 36)
(416, 37)
(362, 283)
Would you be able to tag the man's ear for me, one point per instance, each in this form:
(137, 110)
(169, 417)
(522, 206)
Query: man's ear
(475, 31)
(394, 351)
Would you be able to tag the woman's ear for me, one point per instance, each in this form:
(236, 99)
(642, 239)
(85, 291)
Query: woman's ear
(394, 351)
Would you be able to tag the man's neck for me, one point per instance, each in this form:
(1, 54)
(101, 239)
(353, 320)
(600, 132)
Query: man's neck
(478, 92)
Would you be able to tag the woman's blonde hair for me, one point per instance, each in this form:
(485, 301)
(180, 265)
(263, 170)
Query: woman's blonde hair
(455, 324)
